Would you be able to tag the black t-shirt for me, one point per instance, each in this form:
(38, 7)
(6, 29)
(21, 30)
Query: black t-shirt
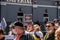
(26, 37)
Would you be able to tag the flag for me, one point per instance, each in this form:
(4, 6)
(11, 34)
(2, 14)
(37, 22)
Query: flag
(3, 23)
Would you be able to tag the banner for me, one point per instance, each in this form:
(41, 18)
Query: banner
(27, 19)
(19, 1)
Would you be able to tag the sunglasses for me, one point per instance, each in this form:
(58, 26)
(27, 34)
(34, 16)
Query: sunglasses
(48, 26)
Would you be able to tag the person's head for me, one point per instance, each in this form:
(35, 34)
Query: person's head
(36, 27)
(29, 28)
(56, 20)
(19, 28)
(1, 34)
(57, 34)
(11, 27)
(50, 27)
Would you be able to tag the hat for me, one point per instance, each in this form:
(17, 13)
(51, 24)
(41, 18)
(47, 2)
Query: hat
(18, 24)
(55, 19)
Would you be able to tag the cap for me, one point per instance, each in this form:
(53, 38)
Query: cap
(55, 20)
(18, 24)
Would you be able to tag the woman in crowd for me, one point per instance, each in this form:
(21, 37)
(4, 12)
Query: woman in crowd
(57, 34)
(38, 35)
(29, 29)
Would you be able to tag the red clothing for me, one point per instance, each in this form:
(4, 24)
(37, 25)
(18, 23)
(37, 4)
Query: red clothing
(17, 37)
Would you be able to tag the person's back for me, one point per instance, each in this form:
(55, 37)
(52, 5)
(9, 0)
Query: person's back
(26, 37)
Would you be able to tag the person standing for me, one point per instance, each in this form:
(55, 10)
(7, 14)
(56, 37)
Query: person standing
(50, 31)
(38, 35)
(20, 32)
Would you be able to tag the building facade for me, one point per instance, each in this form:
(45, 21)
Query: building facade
(10, 8)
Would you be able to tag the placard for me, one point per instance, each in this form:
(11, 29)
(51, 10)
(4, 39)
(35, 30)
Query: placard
(27, 19)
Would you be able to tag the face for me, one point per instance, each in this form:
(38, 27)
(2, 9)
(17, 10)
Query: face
(29, 28)
(19, 30)
(49, 27)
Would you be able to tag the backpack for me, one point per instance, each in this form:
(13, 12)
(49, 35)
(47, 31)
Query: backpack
(36, 37)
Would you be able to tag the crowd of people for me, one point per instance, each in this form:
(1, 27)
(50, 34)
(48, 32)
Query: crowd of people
(33, 32)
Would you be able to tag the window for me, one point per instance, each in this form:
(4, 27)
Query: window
(20, 14)
(45, 15)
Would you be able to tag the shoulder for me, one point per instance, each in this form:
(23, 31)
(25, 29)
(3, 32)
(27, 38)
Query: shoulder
(39, 33)
(29, 37)
(26, 37)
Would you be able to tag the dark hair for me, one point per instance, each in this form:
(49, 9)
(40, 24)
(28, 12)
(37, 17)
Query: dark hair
(18, 24)
(52, 23)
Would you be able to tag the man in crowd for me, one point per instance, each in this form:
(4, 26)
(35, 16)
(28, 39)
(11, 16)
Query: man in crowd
(56, 22)
(50, 29)
(20, 32)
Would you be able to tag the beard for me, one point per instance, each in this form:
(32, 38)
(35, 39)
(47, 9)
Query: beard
(49, 31)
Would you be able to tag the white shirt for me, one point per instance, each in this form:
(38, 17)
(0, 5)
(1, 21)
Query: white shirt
(39, 33)
(26, 32)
